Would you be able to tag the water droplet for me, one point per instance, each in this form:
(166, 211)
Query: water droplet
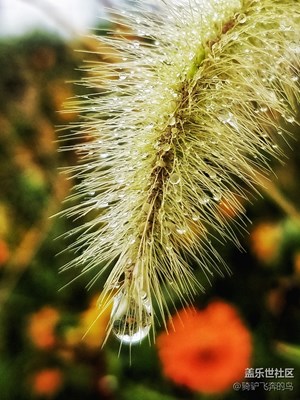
(235, 35)
(290, 119)
(122, 76)
(104, 155)
(160, 163)
(166, 147)
(114, 285)
(175, 179)
(131, 318)
(204, 200)
(279, 132)
(131, 239)
(263, 108)
(195, 217)
(242, 18)
(102, 204)
(217, 196)
(172, 121)
(181, 231)
(135, 44)
(272, 78)
(284, 27)
(150, 241)
(120, 180)
(295, 48)
(295, 78)
(225, 117)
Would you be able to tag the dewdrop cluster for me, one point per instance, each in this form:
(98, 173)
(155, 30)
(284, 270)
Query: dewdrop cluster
(185, 118)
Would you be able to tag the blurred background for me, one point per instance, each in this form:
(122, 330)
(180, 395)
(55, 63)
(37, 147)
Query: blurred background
(43, 320)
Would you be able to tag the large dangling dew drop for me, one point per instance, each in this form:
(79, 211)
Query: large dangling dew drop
(131, 321)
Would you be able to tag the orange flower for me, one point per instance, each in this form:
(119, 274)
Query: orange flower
(4, 252)
(265, 241)
(208, 350)
(47, 382)
(41, 327)
(231, 208)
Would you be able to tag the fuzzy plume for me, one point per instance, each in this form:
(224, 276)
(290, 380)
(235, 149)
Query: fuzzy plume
(188, 117)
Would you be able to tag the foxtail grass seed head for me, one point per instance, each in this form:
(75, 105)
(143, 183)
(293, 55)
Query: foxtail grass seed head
(190, 102)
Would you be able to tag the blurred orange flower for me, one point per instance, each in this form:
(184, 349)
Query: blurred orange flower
(47, 382)
(265, 241)
(92, 327)
(231, 208)
(208, 350)
(4, 252)
(41, 326)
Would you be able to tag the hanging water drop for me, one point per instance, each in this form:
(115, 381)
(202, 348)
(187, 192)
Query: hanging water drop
(242, 18)
(263, 109)
(166, 147)
(290, 119)
(102, 204)
(131, 318)
(204, 200)
(122, 76)
(195, 217)
(160, 163)
(217, 196)
(135, 44)
(175, 179)
(131, 239)
(172, 121)
(181, 230)
(169, 247)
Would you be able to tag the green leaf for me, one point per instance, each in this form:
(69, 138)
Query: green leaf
(289, 351)
(139, 392)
